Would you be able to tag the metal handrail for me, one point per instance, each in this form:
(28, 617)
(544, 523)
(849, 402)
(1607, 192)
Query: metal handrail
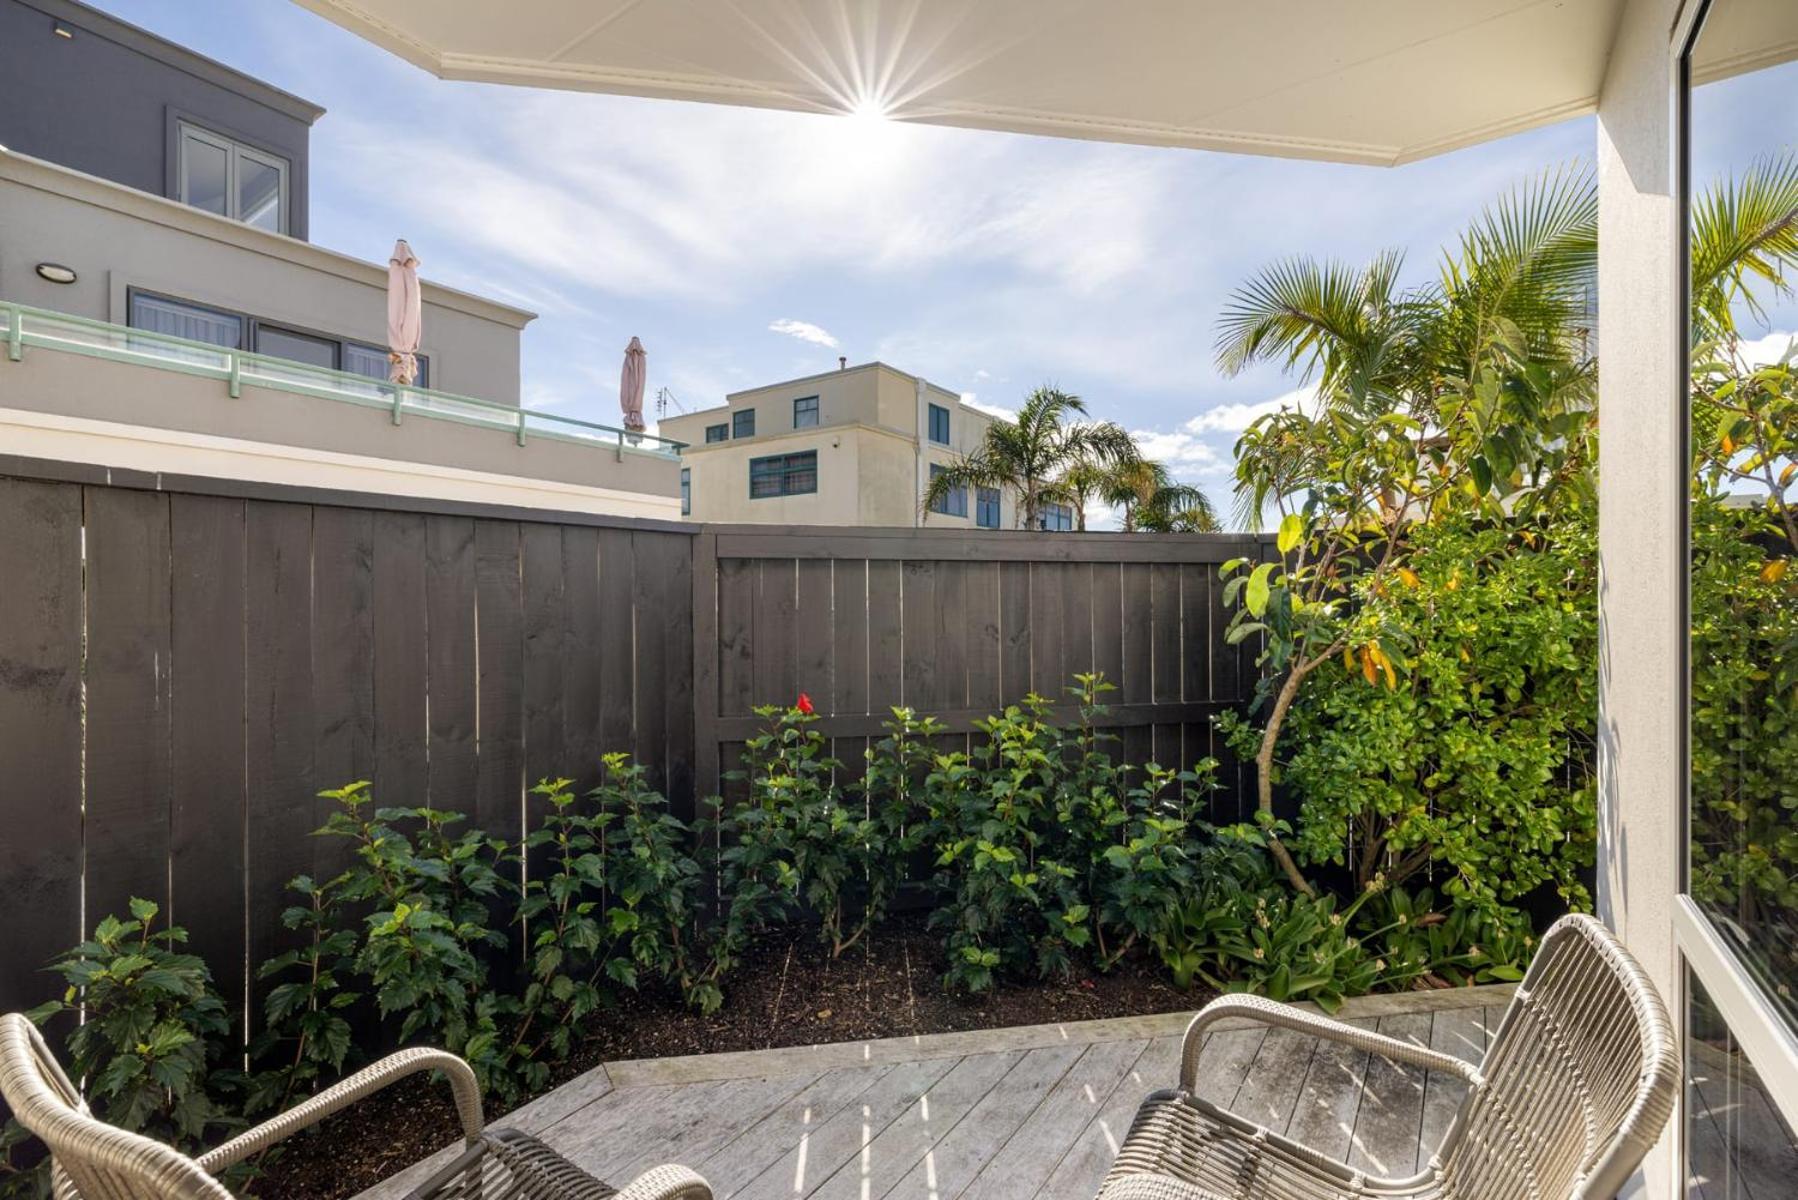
(28, 326)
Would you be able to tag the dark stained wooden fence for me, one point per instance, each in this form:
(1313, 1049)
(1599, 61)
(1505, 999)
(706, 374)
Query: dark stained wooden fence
(185, 663)
(960, 623)
(181, 673)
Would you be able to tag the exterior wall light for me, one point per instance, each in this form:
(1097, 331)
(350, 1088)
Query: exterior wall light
(61, 31)
(56, 273)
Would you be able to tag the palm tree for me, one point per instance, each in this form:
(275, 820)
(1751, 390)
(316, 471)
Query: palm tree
(1033, 455)
(1154, 502)
(1509, 302)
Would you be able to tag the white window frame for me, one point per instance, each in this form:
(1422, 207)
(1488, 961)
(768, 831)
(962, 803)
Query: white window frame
(235, 153)
(1769, 1043)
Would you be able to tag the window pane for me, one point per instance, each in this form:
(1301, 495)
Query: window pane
(300, 347)
(986, 508)
(783, 475)
(1738, 1147)
(1743, 507)
(939, 425)
(686, 491)
(204, 171)
(717, 433)
(188, 321)
(259, 192)
(802, 473)
(742, 424)
(805, 412)
(371, 361)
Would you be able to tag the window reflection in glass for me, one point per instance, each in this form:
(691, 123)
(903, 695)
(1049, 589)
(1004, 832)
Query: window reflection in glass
(259, 193)
(205, 167)
(1743, 123)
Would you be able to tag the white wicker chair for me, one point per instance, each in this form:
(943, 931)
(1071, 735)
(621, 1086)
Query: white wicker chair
(92, 1160)
(1577, 1084)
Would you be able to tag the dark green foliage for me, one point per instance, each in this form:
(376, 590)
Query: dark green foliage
(149, 1044)
(151, 1052)
(1047, 855)
(1474, 759)
(305, 1036)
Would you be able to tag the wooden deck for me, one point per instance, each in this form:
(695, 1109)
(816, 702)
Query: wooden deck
(1000, 1114)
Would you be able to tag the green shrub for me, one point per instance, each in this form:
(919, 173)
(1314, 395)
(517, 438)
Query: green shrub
(652, 883)
(305, 1035)
(1047, 854)
(1474, 761)
(1466, 943)
(1007, 906)
(150, 1051)
(152, 1031)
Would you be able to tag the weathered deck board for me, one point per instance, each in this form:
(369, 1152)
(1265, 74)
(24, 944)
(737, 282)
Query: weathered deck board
(905, 1142)
(1090, 1153)
(957, 1160)
(1030, 1156)
(1463, 1035)
(1389, 1122)
(1330, 1098)
(730, 1167)
(826, 1149)
(1005, 1115)
(1270, 1093)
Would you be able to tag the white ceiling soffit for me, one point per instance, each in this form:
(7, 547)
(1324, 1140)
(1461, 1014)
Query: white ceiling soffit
(1367, 81)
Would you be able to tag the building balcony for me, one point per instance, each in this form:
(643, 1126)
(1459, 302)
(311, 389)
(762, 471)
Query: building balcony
(77, 389)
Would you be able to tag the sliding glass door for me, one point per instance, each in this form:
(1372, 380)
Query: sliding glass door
(1736, 922)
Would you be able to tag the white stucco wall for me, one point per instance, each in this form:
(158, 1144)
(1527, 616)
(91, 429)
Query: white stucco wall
(1641, 491)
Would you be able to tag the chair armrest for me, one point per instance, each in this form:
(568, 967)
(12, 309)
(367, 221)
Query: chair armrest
(670, 1182)
(1285, 1016)
(346, 1092)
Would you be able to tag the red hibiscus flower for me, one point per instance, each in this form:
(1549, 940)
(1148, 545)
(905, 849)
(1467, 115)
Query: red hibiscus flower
(804, 704)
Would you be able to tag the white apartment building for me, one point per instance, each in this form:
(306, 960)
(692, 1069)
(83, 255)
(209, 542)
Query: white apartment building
(855, 446)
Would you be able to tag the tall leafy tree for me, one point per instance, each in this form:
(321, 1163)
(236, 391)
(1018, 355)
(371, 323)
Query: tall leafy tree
(1473, 391)
(1033, 455)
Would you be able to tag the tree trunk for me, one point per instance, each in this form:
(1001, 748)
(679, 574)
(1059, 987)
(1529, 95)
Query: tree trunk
(1264, 773)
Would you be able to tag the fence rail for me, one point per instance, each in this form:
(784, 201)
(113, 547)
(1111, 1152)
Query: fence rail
(184, 664)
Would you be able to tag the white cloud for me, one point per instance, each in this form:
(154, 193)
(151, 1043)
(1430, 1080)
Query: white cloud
(1181, 451)
(805, 331)
(973, 401)
(1763, 351)
(1234, 418)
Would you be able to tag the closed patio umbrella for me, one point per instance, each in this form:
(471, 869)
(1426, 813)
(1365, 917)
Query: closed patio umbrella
(630, 385)
(405, 314)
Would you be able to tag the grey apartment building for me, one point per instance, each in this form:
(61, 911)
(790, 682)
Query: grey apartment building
(150, 193)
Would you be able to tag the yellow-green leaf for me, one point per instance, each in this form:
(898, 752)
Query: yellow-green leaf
(1258, 590)
(1292, 528)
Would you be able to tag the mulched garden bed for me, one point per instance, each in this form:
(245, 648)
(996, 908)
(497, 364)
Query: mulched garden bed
(787, 992)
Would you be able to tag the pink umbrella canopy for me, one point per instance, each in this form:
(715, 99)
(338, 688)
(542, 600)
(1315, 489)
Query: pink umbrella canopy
(405, 314)
(630, 385)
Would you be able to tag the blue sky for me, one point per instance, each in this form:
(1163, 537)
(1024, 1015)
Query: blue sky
(988, 263)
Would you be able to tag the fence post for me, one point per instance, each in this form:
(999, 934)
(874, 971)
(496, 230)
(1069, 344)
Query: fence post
(521, 426)
(236, 383)
(15, 334)
(399, 398)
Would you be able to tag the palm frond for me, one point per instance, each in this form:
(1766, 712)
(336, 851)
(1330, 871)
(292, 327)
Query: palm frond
(1744, 230)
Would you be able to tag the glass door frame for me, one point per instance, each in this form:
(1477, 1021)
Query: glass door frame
(1769, 1043)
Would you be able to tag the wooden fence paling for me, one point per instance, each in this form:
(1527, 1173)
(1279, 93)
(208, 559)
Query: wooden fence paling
(244, 645)
(957, 624)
